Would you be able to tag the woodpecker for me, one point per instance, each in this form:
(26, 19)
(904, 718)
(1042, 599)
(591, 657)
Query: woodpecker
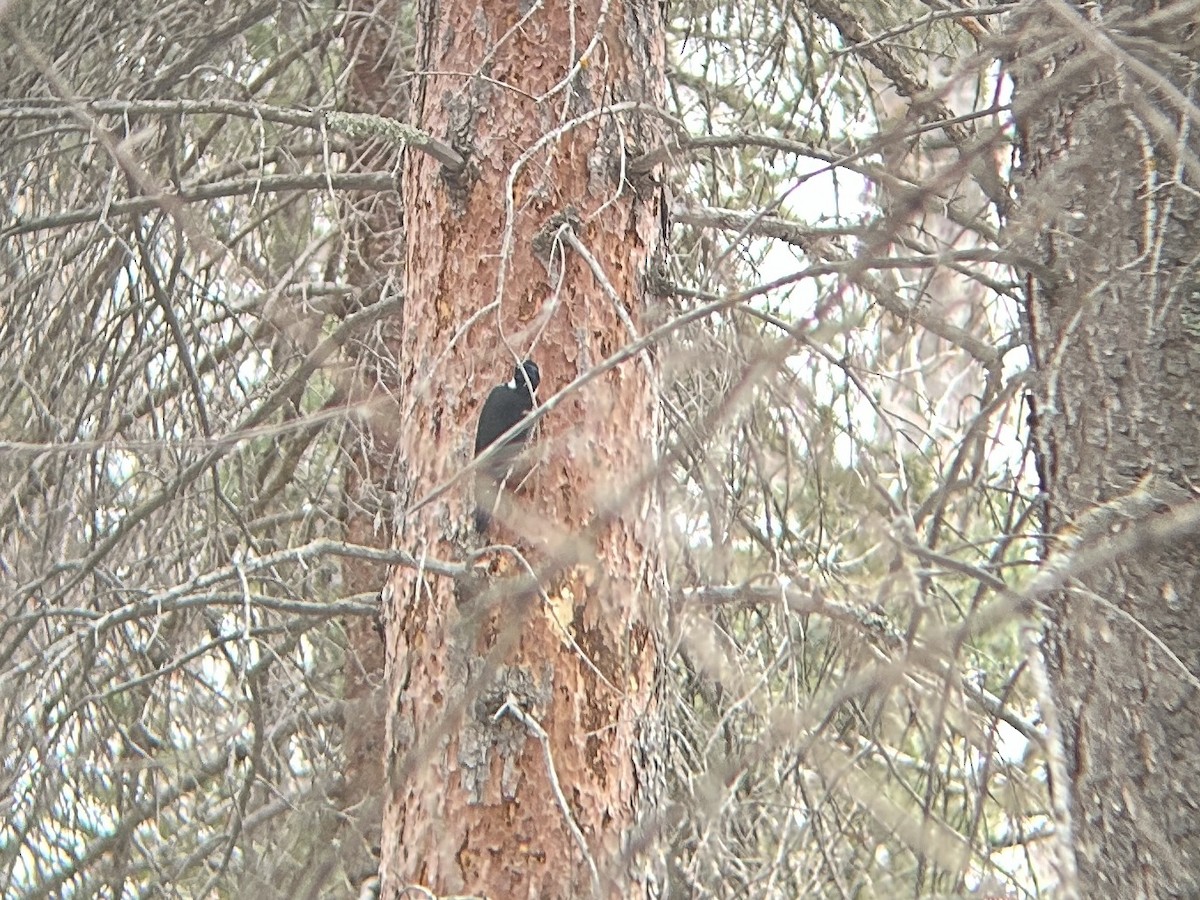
(506, 405)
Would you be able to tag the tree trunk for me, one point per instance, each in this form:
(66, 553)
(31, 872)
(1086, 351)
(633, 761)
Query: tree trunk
(373, 227)
(539, 100)
(1108, 206)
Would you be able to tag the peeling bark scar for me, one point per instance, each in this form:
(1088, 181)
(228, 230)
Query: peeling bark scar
(488, 733)
(469, 586)
(547, 236)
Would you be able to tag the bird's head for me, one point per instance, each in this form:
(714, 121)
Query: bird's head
(527, 370)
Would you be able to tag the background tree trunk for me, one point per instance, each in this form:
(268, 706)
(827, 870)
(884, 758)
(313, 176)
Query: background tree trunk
(491, 277)
(1108, 209)
(373, 228)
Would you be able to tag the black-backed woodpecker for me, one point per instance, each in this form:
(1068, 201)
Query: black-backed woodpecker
(506, 405)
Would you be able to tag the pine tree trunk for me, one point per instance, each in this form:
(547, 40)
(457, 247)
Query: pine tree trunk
(539, 100)
(1108, 206)
(373, 226)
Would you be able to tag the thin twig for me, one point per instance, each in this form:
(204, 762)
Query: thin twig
(512, 708)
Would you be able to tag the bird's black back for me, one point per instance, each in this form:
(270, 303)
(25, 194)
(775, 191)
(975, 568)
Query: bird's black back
(505, 406)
